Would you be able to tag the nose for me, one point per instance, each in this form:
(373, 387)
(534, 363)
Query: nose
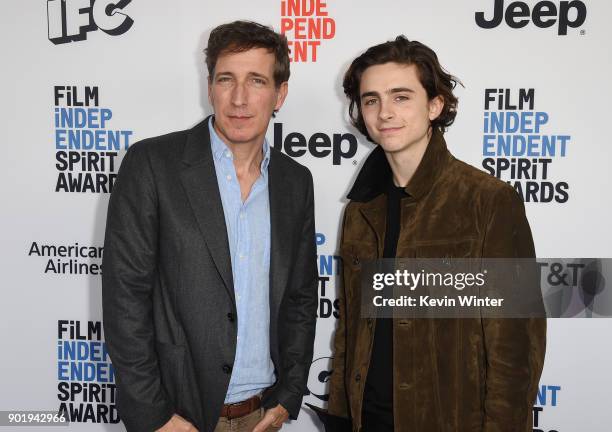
(386, 110)
(239, 95)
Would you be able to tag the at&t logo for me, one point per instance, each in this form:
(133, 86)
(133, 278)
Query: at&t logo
(71, 20)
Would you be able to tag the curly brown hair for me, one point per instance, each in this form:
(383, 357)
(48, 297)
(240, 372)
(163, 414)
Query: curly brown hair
(433, 77)
(240, 36)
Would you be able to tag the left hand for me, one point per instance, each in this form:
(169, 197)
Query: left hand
(273, 417)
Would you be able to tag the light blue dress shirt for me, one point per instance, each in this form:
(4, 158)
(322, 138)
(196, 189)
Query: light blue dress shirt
(248, 232)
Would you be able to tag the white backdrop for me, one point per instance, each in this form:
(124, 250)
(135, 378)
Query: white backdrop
(147, 65)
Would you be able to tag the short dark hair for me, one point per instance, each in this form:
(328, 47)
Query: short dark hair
(240, 36)
(435, 80)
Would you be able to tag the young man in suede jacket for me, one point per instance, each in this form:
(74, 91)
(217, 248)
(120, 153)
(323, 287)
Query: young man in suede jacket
(412, 198)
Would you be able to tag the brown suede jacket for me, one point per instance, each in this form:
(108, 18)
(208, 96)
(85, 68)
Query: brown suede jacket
(455, 375)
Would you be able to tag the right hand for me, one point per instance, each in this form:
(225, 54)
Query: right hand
(177, 424)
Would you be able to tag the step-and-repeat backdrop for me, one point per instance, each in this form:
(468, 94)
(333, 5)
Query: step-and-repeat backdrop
(82, 80)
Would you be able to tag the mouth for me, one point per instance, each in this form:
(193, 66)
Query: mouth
(390, 130)
(240, 117)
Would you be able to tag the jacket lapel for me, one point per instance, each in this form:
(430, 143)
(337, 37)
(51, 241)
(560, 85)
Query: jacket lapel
(200, 182)
(280, 231)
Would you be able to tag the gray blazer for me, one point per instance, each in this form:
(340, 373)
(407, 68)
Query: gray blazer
(170, 318)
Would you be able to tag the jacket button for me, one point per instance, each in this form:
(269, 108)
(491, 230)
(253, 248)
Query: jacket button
(230, 317)
(370, 323)
(358, 377)
(227, 368)
(355, 260)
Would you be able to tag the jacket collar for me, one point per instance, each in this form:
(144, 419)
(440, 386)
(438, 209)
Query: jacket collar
(197, 149)
(373, 178)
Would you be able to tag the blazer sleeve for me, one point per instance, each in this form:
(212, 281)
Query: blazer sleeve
(300, 312)
(515, 347)
(338, 399)
(129, 271)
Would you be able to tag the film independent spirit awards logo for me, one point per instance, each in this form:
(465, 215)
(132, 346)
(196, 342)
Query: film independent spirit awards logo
(72, 20)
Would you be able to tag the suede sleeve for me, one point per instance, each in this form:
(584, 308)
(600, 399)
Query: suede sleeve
(338, 400)
(515, 347)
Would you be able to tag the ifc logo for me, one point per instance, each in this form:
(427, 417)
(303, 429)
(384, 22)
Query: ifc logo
(71, 20)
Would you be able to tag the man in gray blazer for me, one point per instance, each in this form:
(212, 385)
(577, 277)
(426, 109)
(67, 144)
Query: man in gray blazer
(209, 283)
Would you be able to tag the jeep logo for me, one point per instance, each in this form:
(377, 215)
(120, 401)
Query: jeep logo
(320, 145)
(544, 14)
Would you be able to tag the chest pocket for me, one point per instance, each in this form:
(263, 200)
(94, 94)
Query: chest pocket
(450, 248)
(354, 257)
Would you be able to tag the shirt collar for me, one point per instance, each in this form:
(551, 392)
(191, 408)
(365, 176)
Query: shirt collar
(220, 149)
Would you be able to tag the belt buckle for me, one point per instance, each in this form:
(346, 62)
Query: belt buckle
(245, 404)
(231, 416)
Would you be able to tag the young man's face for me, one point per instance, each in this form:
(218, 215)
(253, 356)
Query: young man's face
(395, 107)
(243, 95)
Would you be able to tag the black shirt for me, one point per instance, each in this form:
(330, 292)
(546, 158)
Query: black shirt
(377, 412)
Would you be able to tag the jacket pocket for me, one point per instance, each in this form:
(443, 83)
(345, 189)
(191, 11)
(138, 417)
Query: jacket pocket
(447, 248)
(353, 258)
(353, 255)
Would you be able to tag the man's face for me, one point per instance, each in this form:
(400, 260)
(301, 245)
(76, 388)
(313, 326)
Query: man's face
(395, 107)
(243, 95)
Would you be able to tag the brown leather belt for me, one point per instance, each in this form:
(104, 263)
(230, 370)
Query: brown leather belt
(240, 409)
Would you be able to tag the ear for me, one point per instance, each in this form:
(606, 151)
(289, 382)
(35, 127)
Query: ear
(436, 105)
(281, 94)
